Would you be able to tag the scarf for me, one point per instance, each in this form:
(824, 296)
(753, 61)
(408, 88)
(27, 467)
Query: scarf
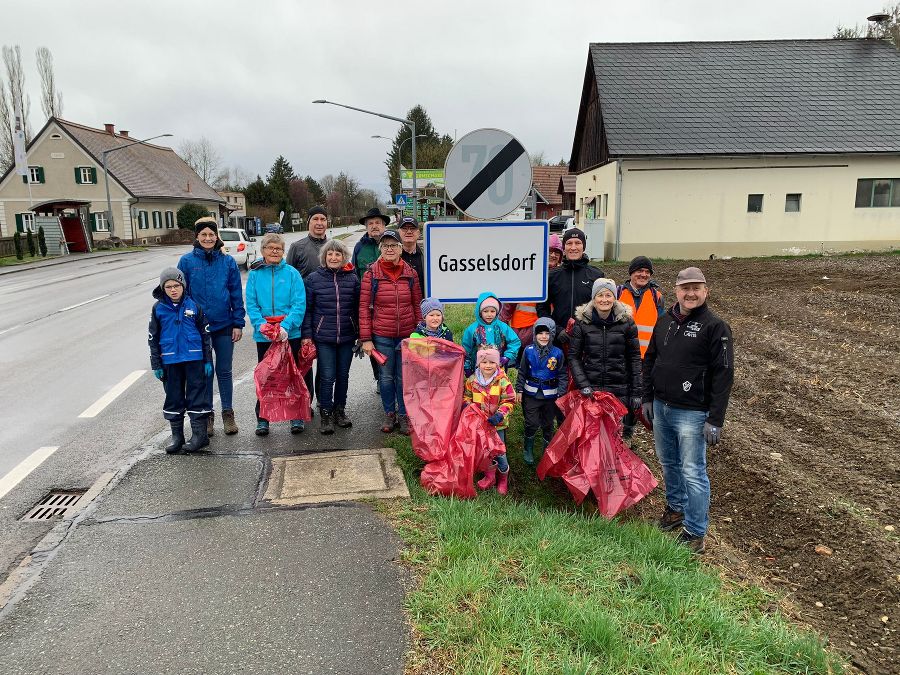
(392, 270)
(480, 377)
(439, 332)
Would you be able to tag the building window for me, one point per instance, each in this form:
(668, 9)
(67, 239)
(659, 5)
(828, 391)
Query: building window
(25, 222)
(35, 174)
(142, 221)
(875, 192)
(100, 223)
(85, 175)
(170, 219)
(792, 202)
(157, 220)
(754, 203)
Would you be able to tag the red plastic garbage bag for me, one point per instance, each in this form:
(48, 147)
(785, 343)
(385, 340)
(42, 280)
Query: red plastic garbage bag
(588, 453)
(432, 392)
(307, 356)
(280, 387)
(474, 445)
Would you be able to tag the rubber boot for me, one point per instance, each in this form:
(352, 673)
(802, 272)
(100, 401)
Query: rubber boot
(199, 437)
(326, 425)
(177, 436)
(529, 450)
(341, 419)
(490, 477)
(503, 483)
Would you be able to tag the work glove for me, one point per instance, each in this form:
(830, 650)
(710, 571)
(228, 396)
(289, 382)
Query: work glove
(635, 402)
(208, 369)
(647, 411)
(495, 419)
(159, 374)
(586, 391)
(282, 334)
(711, 434)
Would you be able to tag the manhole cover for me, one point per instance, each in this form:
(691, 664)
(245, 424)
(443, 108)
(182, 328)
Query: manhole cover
(55, 505)
(336, 476)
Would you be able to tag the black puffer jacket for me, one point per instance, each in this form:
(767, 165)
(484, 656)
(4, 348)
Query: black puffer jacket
(332, 305)
(568, 286)
(606, 356)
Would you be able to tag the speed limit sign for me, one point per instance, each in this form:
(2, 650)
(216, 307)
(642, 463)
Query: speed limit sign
(487, 174)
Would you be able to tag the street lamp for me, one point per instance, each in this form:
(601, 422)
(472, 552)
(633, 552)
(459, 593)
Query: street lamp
(109, 213)
(409, 123)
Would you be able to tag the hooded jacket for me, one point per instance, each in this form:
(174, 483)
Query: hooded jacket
(606, 355)
(332, 305)
(275, 290)
(497, 333)
(177, 333)
(303, 254)
(364, 254)
(386, 307)
(496, 397)
(214, 282)
(568, 286)
(542, 371)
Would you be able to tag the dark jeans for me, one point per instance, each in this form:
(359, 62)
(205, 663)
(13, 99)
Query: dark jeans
(185, 386)
(263, 347)
(223, 349)
(312, 383)
(539, 413)
(390, 375)
(333, 374)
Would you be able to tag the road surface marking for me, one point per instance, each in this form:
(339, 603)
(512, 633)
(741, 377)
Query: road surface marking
(9, 329)
(25, 467)
(112, 394)
(81, 304)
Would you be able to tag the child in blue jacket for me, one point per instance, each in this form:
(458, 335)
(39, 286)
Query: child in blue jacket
(488, 330)
(181, 358)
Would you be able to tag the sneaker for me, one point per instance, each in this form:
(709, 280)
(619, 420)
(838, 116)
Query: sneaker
(670, 520)
(694, 542)
(262, 428)
(403, 425)
(297, 426)
(229, 423)
(390, 421)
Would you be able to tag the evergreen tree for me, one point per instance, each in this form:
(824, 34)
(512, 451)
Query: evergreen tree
(188, 214)
(29, 238)
(258, 193)
(42, 242)
(427, 137)
(279, 182)
(17, 242)
(315, 190)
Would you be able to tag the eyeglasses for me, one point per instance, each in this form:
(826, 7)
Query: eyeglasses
(273, 249)
(391, 245)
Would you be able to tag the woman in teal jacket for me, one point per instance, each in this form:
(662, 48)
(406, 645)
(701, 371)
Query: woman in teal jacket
(275, 288)
(488, 329)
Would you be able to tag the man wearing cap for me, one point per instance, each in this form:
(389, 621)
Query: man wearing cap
(303, 255)
(412, 252)
(570, 284)
(366, 250)
(688, 372)
(642, 294)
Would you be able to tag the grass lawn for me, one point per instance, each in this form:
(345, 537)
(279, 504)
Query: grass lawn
(10, 260)
(531, 583)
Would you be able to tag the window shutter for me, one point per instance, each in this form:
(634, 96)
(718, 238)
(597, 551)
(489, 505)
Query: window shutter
(94, 175)
(20, 226)
(25, 179)
(41, 174)
(77, 175)
(93, 222)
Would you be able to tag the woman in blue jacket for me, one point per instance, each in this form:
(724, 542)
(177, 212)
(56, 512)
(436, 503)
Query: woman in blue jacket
(332, 304)
(214, 283)
(274, 288)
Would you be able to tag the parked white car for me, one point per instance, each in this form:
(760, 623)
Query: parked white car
(239, 246)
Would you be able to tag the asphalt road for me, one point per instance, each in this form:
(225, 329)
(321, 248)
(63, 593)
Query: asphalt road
(69, 334)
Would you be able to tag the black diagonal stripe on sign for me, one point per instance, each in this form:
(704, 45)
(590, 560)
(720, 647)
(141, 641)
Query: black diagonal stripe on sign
(491, 172)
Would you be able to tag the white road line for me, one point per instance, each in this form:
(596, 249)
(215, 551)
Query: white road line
(81, 304)
(25, 467)
(9, 329)
(112, 394)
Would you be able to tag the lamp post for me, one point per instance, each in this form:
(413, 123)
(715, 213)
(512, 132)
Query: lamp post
(109, 213)
(409, 123)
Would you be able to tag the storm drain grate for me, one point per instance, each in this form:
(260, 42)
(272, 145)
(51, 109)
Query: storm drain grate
(55, 505)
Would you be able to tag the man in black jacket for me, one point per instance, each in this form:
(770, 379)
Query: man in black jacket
(688, 373)
(412, 252)
(570, 284)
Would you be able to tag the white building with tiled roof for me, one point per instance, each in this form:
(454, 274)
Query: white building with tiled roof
(148, 183)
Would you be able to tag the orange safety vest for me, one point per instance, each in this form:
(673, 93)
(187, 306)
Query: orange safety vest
(644, 316)
(524, 316)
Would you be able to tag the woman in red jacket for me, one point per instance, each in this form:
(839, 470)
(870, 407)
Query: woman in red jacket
(388, 312)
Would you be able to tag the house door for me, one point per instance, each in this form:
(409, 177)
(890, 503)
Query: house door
(74, 234)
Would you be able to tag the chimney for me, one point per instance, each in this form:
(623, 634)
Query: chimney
(124, 133)
(189, 186)
(110, 128)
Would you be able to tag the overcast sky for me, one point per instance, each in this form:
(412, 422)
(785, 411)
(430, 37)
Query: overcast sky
(244, 74)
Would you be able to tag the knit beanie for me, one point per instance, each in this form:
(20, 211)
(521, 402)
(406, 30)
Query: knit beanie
(315, 211)
(574, 232)
(641, 262)
(204, 222)
(429, 305)
(555, 244)
(171, 274)
(489, 354)
(601, 284)
(490, 301)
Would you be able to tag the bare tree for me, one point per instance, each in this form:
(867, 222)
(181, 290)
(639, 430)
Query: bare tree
(7, 151)
(327, 183)
(203, 158)
(538, 159)
(883, 30)
(19, 101)
(51, 97)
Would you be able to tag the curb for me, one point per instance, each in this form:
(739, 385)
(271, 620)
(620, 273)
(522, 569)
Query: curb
(63, 260)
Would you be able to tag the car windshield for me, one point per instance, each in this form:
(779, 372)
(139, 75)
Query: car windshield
(225, 235)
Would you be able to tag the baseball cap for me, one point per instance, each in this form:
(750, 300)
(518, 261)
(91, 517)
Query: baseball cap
(408, 222)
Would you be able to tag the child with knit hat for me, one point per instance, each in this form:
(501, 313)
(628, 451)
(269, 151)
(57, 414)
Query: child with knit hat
(490, 389)
(489, 331)
(432, 323)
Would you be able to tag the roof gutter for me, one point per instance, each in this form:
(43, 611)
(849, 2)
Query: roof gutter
(618, 209)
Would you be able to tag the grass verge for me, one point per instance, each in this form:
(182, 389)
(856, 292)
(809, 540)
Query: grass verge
(531, 583)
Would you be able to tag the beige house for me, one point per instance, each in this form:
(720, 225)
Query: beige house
(236, 206)
(147, 184)
(686, 150)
